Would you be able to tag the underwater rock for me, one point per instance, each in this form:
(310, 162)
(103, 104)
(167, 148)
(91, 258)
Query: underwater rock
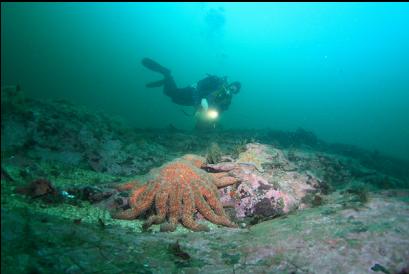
(263, 156)
(45, 191)
(306, 137)
(96, 194)
(268, 185)
(106, 196)
(256, 195)
(56, 131)
(332, 169)
(116, 158)
(255, 155)
(299, 138)
(38, 188)
(221, 167)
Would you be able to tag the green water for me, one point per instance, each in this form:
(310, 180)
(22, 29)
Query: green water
(338, 69)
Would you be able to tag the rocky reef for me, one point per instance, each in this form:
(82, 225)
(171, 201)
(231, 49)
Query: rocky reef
(298, 201)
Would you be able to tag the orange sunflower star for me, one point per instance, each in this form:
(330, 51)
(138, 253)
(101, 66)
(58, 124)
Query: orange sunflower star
(179, 189)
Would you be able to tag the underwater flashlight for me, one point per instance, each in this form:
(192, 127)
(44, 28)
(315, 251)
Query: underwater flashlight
(212, 114)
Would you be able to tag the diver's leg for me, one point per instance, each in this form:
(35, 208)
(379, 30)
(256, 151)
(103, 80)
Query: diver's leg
(180, 96)
(169, 86)
(168, 82)
(155, 66)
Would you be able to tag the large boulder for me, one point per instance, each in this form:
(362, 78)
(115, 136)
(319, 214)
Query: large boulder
(269, 184)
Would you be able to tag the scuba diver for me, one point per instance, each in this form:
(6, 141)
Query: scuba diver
(210, 96)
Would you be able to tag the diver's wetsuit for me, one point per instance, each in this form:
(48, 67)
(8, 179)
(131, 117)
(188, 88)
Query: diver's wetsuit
(190, 96)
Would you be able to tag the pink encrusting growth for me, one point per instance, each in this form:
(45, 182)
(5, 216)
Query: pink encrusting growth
(268, 186)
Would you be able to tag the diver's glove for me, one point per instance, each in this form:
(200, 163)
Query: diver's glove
(204, 104)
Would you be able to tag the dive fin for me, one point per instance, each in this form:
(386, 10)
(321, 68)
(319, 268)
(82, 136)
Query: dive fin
(155, 84)
(154, 66)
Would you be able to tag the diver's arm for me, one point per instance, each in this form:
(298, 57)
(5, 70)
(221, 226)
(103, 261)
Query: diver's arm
(204, 104)
(201, 108)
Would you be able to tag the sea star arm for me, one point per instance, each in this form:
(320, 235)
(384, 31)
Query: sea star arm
(136, 194)
(140, 205)
(207, 212)
(161, 206)
(211, 196)
(127, 186)
(188, 211)
(175, 203)
(223, 179)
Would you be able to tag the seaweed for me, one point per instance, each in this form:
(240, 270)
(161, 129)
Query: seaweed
(214, 154)
(239, 147)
